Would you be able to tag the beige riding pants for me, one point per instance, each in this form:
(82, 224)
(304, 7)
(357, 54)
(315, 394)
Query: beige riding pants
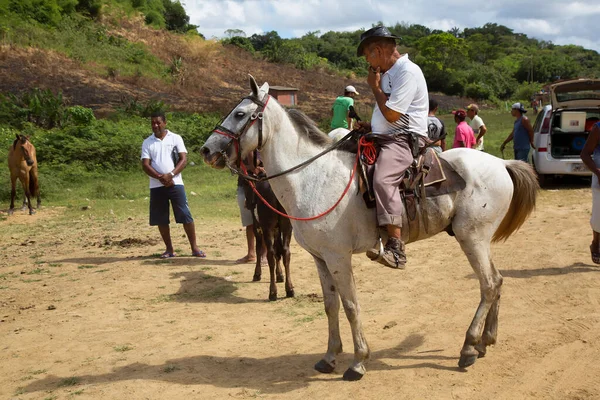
(394, 158)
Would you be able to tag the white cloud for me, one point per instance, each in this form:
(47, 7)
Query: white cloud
(559, 21)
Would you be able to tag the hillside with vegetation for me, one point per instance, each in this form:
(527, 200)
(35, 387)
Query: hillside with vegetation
(490, 63)
(80, 77)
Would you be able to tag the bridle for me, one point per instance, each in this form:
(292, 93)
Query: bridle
(257, 115)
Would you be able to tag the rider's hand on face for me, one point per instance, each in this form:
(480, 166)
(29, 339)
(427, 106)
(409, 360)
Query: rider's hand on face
(374, 77)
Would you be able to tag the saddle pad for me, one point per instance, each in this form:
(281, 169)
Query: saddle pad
(436, 185)
(436, 171)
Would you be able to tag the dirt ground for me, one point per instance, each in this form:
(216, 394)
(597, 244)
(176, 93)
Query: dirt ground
(88, 312)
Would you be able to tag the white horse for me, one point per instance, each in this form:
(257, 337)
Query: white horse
(498, 197)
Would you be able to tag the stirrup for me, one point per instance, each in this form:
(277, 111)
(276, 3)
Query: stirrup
(381, 251)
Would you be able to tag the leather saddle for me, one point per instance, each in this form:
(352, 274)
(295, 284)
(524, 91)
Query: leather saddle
(427, 176)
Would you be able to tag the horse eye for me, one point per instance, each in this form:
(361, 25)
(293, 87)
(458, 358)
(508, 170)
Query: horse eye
(240, 114)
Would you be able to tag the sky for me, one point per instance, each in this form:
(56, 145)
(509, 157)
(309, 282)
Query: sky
(559, 21)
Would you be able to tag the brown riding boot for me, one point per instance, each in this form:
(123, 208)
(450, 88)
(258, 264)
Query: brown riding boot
(393, 256)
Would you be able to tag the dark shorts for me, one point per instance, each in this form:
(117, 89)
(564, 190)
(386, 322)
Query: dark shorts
(159, 205)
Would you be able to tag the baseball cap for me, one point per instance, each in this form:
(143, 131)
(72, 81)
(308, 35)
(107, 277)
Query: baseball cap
(473, 107)
(519, 106)
(351, 89)
(375, 32)
(460, 113)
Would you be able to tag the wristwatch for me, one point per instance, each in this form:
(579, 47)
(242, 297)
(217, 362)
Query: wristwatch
(172, 174)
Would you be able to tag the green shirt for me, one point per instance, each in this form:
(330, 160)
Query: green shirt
(341, 105)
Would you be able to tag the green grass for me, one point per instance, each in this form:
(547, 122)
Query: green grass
(122, 349)
(72, 381)
(38, 271)
(125, 194)
(170, 368)
(87, 42)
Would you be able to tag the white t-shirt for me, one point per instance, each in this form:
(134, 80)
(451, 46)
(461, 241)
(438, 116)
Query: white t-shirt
(160, 154)
(476, 123)
(407, 94)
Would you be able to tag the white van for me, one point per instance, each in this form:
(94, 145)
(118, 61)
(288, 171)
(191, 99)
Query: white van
(561, 128)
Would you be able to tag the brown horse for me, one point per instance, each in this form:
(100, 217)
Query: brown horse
(22, 163)
(276, 233)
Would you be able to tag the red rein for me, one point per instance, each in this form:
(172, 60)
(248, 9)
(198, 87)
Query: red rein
(361, 143)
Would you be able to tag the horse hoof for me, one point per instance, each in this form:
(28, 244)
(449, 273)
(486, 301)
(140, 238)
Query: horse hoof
(481, 350)
(324, 367)
(467, 361)
(279, 279)
(256, 278)
(11, 211)
(352, 375)
(289, 293)
(31, 212)
(272, 296)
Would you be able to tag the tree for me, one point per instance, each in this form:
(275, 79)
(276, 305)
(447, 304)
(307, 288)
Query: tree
(260, 41)
(440, 57)
(175, 17)
(234, 33)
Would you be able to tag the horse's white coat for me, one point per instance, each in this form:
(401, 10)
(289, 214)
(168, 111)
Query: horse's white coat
(473, 213)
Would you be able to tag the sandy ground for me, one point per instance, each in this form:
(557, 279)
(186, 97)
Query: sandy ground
(88, 312)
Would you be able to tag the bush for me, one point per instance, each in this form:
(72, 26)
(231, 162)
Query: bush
(80, 115)
(43, 11)
(133, 107)
(40, 107)
(92, 8)
(155, 19)
(241, 42)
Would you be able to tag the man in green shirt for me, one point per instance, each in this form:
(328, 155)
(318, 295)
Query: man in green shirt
(341, 107)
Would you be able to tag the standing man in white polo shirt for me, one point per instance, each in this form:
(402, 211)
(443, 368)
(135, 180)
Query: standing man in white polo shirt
(164, 156)
(399, 121)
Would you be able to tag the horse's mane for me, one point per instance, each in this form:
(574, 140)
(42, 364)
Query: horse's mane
(23, 140)
(307, 127)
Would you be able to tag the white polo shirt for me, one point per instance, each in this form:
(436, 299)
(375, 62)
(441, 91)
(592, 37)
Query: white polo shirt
(405, 86)
(159, 153)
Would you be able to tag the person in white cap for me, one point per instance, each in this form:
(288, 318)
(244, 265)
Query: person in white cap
(341, 108)
(522, 133)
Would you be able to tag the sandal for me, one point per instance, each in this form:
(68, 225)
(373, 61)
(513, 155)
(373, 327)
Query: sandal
(245, 260)
(199, 253)
(595, 256)
(166, 254)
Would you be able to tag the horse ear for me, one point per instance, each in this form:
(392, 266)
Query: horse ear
(18, 136)
(253, 85)
(265, 88)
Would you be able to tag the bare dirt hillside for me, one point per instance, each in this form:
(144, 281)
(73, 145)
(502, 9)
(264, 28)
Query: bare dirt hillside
(88, 312)
(213, 77)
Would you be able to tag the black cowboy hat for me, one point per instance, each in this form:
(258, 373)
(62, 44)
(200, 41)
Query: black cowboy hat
(376, 32)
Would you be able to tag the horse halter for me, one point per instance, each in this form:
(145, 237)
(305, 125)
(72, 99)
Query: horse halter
(257, 115)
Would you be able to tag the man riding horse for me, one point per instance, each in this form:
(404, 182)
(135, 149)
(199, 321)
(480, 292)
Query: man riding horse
(398, 124)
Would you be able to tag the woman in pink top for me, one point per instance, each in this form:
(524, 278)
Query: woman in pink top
(463, 135)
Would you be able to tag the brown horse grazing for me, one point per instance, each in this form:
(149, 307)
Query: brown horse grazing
(22, 163)
(276, 233)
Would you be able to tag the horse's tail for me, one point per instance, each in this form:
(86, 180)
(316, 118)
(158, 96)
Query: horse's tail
(526, 187)
(32, 183)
